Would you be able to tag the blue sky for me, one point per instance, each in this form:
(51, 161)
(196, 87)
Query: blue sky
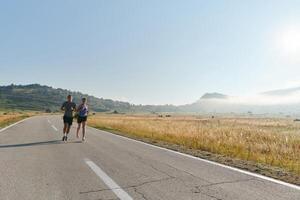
(151, 52)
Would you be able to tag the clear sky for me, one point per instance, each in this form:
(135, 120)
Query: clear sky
(151, 52)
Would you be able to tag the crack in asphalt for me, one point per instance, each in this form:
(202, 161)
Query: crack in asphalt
(150, 165)
(199, 189)
(177, 169)
(227, 182)
(128, 187)
(140, 193)
(195, 189)
(108, 199)
(168, 165)
(211, 196)
(189, 173)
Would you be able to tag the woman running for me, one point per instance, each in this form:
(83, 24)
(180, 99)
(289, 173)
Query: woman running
(82, 117)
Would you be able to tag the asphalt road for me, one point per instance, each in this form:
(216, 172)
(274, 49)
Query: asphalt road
(35, 164)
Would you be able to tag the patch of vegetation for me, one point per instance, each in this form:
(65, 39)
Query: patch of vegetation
(7, 118)
(44, 98)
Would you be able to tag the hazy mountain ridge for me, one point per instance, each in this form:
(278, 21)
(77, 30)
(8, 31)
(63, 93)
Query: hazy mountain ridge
(283, 101)
(38, 97)
(214, 95)
(282, 91)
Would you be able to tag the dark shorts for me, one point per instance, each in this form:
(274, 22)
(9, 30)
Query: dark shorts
(81, 119)
(68, 120)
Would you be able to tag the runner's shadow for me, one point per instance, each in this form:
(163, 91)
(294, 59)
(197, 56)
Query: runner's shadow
(31, 144)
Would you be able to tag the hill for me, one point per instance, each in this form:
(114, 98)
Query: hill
(38, 97)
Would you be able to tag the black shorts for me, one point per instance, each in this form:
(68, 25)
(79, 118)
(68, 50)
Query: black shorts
(81, 119)
(68, 120)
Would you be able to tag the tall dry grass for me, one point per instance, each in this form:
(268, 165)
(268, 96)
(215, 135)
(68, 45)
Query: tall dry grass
(7, 118)
(274, 142)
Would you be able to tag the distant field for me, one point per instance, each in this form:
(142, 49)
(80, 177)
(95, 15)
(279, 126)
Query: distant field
(272, 142)
(7, 118)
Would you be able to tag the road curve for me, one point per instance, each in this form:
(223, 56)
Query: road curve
(35, 164)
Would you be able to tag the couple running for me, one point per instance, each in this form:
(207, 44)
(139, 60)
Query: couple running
(81, 112)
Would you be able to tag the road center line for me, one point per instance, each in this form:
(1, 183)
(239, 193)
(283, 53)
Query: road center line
(108, 181)
(54, 127)
(49, 121)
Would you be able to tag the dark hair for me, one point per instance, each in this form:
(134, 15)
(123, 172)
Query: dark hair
(69, 96)
(83, 99)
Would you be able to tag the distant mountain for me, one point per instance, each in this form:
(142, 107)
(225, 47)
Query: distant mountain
(284, 101)
(38, 97)
(214, 96)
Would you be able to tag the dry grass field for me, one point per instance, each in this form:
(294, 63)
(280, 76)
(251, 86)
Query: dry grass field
(270, 141)
(7, 118)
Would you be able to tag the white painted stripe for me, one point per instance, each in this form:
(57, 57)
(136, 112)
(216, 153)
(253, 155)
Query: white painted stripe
(49, 121)
(7, 127)
(121, 194)
(54, 127)
(210, 162)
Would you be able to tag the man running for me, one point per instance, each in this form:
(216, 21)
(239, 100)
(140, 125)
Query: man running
(68, 106)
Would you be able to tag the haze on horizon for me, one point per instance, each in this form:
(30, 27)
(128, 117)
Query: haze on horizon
(155, 52)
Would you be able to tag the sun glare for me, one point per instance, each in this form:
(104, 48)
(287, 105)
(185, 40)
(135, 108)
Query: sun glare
(291, 41)
(288, 43)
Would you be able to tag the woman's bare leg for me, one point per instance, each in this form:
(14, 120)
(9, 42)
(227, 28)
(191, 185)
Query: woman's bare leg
(78, 128)
(83, 130)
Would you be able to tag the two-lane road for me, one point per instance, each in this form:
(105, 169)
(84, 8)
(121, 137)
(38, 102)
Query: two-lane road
(35, 164)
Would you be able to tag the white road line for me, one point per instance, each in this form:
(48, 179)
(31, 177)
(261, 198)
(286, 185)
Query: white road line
(7, 127)
(54, 127)
(211, 162)
(108, 181)
(49, 121)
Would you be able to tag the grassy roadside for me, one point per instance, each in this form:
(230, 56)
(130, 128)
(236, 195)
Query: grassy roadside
(7, 118)
(266, 146)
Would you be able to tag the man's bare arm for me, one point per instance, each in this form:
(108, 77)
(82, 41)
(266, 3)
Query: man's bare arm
(62, 107)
